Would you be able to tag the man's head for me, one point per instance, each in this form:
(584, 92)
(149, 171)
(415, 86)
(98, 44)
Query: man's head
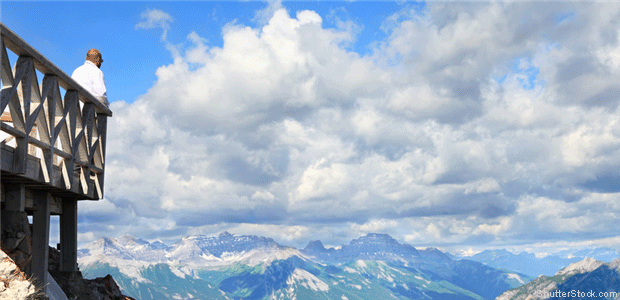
(94, 56)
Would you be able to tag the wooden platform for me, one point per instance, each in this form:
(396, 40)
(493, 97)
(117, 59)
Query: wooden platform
(48, 136)
(52, 150)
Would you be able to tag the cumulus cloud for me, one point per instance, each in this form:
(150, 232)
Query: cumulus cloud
(156, 18)
(470, 124)
(263, 16)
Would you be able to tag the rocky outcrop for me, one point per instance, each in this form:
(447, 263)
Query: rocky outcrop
(15, 284)
(78, 288)
(16, 258)
(16, 238)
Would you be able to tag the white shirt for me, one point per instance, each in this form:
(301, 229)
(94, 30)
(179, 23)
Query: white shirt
(91, 78)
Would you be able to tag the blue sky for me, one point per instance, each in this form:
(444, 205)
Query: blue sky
(459, 125)
(111, 28)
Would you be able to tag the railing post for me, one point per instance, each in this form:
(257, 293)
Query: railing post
(102, 121)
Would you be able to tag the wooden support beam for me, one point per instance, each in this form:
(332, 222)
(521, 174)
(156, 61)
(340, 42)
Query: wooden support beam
(15, 197)
(40, 237)
(68, 235)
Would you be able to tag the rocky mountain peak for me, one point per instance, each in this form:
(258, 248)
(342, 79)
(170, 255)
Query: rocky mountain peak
(369, 247)
(585, 275)
(434, 254)
(129, 240)
(615, 264)
(225, 234)
(105, 244)
(315, 246)
(159, 245)
(375, 238)
(588, 264)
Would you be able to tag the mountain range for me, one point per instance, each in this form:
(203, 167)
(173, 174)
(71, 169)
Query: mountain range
(227, 266)
(588, 278)
(532, 265)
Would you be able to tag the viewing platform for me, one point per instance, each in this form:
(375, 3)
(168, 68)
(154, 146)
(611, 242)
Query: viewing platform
(52, 146)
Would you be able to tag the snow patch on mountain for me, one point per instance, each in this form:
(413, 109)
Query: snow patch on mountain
(357, 286)
(586, 265)
(194, 251)
(516, 277)
(177, 272)
(129, 267)
(260, 256)
(307, 280)
(361, 264)
(422, 279)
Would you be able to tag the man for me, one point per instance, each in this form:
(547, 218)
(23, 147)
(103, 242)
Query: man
(90, 76)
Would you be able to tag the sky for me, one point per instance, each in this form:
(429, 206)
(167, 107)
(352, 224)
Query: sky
(458, 125)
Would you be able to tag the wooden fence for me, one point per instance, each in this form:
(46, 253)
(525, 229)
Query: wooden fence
(54, 140)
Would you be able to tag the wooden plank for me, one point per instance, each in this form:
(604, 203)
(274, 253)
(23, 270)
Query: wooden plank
(40, 237)
(96, 170)
(38, 143)
(8, 81)
(102, 121)
(62, 154)
(5, 68)
(25, 66)
(65, 171)
(20, 156)
(12, 130)
(12, 95)
(88, 121)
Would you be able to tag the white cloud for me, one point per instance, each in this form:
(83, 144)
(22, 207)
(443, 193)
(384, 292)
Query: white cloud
(152, 18)
(434, 138)
(283, 69)
(589, 142)
(264, 15)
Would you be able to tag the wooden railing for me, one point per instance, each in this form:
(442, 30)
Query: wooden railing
(53, 131)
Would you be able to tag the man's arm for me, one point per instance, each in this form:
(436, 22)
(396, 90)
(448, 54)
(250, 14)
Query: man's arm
(100, 90)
